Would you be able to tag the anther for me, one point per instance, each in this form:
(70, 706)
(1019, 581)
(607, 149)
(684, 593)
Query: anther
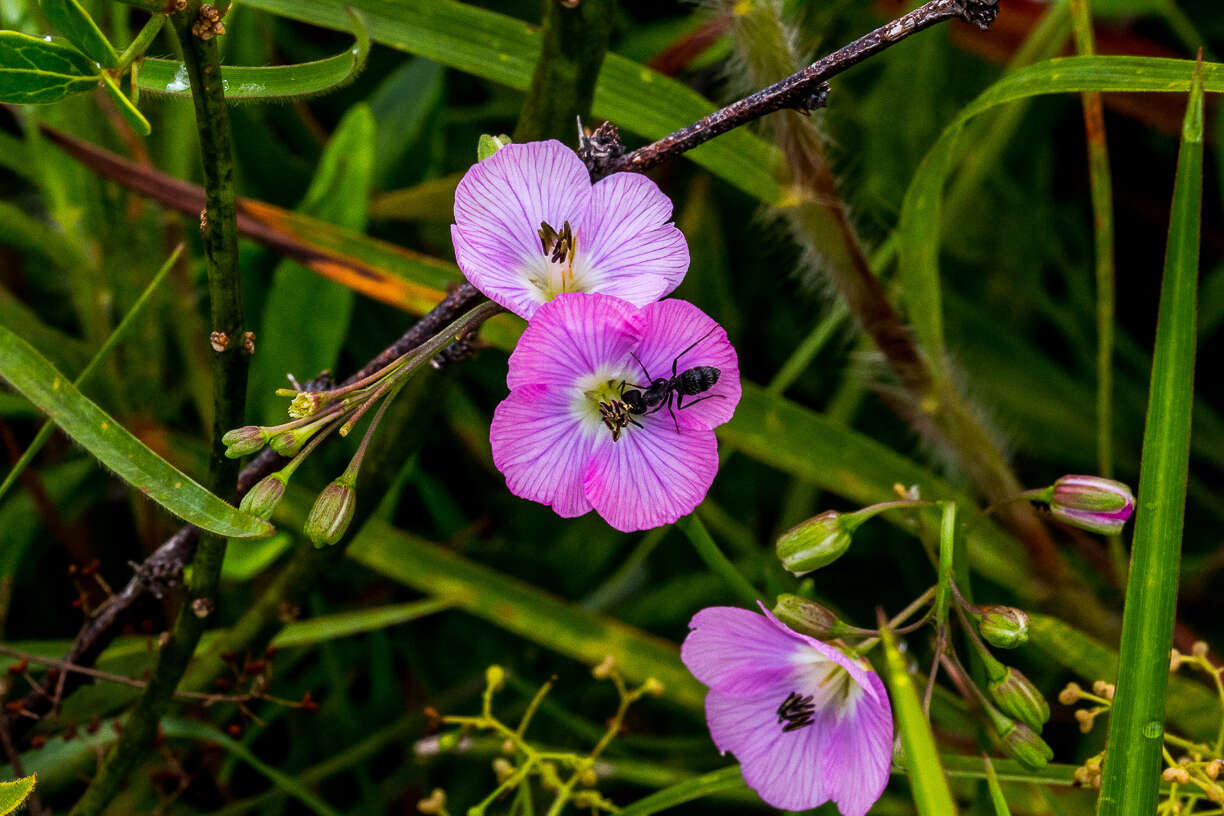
(796, 711)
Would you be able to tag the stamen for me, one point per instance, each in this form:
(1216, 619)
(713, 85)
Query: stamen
(559, 248)
(796, 711)
(615, 415)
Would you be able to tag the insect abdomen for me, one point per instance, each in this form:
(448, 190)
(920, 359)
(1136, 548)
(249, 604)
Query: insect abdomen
(697, 380)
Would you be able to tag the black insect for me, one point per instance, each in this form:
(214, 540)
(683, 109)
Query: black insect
(647, 399)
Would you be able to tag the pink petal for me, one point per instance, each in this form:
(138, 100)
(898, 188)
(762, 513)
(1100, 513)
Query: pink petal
(499, 205)
(652, 475)
(861, 675)
(858, 752)
(737, 652)
(783, 767)
(541, 449)
(571, 338)
(668, 328)
(626, 247)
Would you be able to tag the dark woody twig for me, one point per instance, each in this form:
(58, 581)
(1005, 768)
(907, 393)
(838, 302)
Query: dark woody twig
(803, 91)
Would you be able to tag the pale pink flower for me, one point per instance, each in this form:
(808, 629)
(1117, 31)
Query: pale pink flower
(529, 225)
(554, 443)
(806, 722)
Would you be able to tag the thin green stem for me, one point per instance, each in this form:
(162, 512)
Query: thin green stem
(144, 38)
(1130, 783)
(229, 372)
(714, 558)
(129, 320)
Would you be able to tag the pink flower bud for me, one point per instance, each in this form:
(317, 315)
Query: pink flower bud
(263, 497)
(1092, 503)
(245, 440)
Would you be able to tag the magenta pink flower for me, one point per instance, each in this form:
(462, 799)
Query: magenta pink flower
(571, 436)
(529, 225)
(806, 722)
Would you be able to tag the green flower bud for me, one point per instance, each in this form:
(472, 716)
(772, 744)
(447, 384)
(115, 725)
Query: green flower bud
(808, 617)
(243, 441)
(1004, 627)
(1022, 744)
(488, 145)
(262, 499)
(1019, 698)
(331, 514)
(813, 544)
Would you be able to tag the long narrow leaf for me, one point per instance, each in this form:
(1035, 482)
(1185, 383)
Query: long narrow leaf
(129, 319)
(926, 776)
(271, 83)
(189, 729)
(1136, 724)
(504, 50)
(921, 209)
(114, 446)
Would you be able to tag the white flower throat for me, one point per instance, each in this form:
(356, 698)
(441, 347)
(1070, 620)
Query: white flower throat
(554, 272)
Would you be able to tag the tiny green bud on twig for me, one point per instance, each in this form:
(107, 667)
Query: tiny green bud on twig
(488, 145)
(1004, 627)
(810, 618)
(262, 499)
(331, 514)
(814, 543)
(1018, 697)
(243, 441)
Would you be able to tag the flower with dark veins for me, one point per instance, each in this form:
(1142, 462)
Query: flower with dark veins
(592, 421)
(807, 723)
(530, 225)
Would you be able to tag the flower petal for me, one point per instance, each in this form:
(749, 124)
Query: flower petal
(541, 448)
(737, 652)
(860, 674)
(668, 328)
(626, 246)
(652, 475)
(858, 752)
(783, 767)
(573, 337)
(499, 205)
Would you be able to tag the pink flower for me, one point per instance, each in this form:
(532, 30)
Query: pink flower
(806, 722)
(529, 225)
(636, 460)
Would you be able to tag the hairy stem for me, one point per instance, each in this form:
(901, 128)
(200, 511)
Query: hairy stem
(229, 371)
(574, 43)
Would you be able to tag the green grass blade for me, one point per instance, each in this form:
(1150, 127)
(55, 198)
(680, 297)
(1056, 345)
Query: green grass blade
(37, 71)
(114, 446)
(192, 730)
(358, 622)
(696, 788)
(504, 50)
(338, 193)
(921, 210)
(44, 433)
(1190, 706)
(926, 775)
(12, 794)
(126, 107)
(997, 800)
(716, 561)
(1131, 776)
(71, 20)
(272, 83)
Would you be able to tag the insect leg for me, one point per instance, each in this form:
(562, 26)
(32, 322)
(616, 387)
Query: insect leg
(681, 404)
(687, 350)
(673, 413)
